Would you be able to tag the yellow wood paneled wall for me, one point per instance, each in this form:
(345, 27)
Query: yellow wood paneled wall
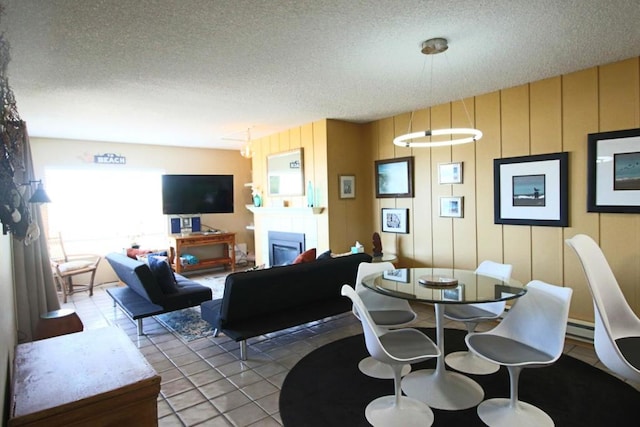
(331, 148)
(547, 116)
(347, 221)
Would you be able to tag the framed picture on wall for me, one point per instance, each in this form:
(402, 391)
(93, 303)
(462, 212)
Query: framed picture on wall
(394, 177)
(395, 220)
(531, 190)
(347, 185)
(452, 207)
(613, 171)
(450, 173)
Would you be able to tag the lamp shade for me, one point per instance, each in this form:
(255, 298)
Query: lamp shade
(39, 196)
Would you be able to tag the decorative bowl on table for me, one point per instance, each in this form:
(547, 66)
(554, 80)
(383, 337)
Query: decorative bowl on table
(438, 281)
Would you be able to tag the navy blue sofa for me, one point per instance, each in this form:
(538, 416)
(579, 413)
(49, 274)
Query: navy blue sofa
(262, 301)
(143, 297)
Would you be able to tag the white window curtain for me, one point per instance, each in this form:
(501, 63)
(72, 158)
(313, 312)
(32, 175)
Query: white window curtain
(105, 209)
(35, 291)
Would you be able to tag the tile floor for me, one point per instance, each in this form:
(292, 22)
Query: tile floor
(204, 383)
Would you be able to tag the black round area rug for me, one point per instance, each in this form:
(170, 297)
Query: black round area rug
(326, 388)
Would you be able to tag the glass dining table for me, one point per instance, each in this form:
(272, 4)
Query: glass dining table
(441, 388)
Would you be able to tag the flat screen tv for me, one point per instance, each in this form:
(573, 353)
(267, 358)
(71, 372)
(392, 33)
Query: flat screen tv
(197, 194)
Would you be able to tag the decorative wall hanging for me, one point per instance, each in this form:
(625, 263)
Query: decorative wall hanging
(613, 171)
(531, 190)
(347, 184)
(394, 177)
(14, 211)
(450, 173)
(452, 207)
(285, 174)
(110, 159)
(395, 220)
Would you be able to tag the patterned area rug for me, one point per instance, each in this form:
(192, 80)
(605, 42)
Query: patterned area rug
(215, 283)
(187, 323)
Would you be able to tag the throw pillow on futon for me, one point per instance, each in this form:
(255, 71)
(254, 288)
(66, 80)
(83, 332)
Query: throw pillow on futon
(325, 255)
(163, 273)
(306, 256)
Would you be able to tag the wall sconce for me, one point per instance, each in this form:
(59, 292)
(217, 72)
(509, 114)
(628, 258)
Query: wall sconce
(38, 196)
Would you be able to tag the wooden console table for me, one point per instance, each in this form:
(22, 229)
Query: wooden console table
(97, 377)
(180, 245)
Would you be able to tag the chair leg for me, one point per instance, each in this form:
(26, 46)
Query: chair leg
(65, 289)
(93, 276)
(512, 412)
(60, 283)
(514, 379)
(243, 350)
(467, 361)
(374, 369)
(397, 384)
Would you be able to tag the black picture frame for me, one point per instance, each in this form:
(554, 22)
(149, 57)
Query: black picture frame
(613, 171)
(394, 177)
(395, 220)
(532, 190)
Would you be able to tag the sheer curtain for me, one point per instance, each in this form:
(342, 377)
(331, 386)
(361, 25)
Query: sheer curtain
(34, 285)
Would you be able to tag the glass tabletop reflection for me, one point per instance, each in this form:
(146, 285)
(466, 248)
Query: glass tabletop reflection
(443, 285)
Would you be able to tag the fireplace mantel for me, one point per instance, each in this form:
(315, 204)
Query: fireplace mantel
(285, 210)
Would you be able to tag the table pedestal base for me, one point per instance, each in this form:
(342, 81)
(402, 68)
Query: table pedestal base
(443, 389)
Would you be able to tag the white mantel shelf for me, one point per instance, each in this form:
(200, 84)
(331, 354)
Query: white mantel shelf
(285, 210)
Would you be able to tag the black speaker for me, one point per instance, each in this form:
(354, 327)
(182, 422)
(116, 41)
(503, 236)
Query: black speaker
(175, 226)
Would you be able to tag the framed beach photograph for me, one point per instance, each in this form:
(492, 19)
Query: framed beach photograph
(452, 207)
(450, 173)
(532, 190)
(347, 185)
(400, 275)
(613, 171)
(395, 220)
(394, 177)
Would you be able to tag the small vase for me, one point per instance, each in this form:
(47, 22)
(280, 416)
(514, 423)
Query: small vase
(310, 198)
(257, 201)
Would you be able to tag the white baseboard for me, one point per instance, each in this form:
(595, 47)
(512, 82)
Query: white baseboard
(580, 329)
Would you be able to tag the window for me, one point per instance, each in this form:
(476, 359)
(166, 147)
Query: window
(101, 211)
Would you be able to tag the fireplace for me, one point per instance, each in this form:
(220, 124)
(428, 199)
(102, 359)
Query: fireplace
(284, 247)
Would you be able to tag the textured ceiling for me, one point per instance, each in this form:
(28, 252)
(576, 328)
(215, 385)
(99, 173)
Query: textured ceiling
(192, 72)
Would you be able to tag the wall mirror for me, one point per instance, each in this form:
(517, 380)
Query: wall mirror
(285, 175)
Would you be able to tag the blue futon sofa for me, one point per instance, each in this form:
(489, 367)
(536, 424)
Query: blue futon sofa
(143, 295)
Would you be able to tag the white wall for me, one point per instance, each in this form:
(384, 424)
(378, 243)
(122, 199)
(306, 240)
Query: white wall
(71, 153)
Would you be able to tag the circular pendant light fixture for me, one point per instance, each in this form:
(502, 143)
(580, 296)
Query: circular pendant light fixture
(407, 140)
(463, 135)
